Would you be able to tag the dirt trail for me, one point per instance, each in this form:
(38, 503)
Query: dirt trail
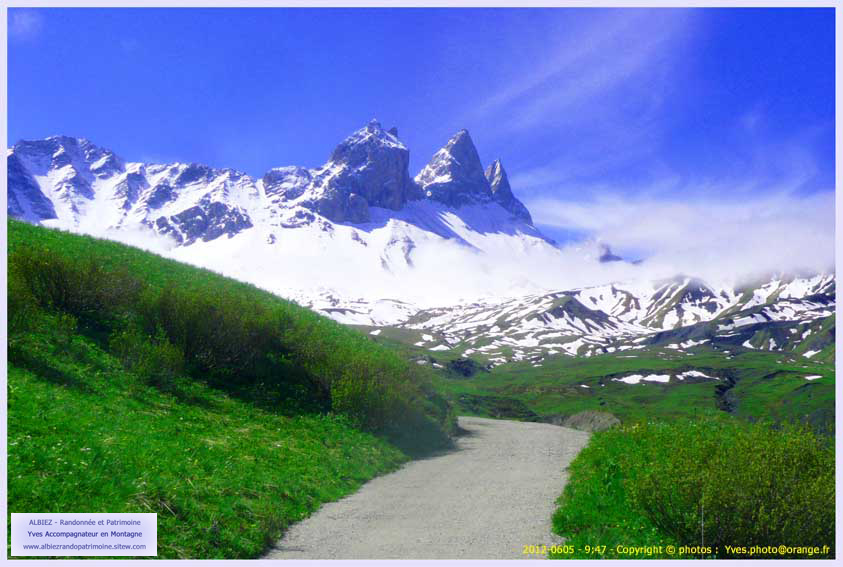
(486, 500)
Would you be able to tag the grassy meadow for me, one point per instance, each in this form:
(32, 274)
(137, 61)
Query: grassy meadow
(753, 385)
(706, 486)
(138, 384)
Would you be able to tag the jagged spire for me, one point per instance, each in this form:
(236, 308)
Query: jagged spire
(498, 180)
(502, 192)
(455, 175)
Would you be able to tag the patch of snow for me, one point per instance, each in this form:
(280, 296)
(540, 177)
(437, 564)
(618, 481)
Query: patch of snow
(695, 374)
(637, 378)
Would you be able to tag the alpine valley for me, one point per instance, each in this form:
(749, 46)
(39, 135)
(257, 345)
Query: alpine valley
(448, 267)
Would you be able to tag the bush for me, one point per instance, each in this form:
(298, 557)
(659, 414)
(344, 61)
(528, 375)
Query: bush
(185, 322)
(22, 307)
(153, 358)
(81, 287)
(712, 483)
(719, 483)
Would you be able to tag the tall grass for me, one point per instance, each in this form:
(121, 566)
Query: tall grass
(139, 384)
(235, 338)
(717, 484)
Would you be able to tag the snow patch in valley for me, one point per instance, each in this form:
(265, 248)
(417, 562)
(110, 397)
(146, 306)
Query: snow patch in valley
(695, 374)
(637, 378)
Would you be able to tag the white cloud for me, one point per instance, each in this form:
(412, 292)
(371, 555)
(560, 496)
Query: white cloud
(25, 24)
(720, 240)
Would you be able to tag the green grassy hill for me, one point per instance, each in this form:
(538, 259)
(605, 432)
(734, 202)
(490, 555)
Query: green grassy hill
(709, 487)
(751, 384)
(138, 384)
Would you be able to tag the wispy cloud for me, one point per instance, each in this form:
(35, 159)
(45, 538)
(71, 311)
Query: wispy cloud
(25, 24)
(748, 161)
(717, 239)
(595, 97)
(603, 57)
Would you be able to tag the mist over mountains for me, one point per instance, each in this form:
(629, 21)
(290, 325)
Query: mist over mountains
(364, 241)
(359, 224)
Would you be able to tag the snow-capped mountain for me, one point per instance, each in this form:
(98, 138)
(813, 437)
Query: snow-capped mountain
(358, 225)
(787, 314)
(71, 183)
(645, 307)
(450, 253)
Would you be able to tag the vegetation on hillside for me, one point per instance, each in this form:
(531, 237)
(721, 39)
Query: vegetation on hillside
(140, 384)
(752, 385)
(713, 485)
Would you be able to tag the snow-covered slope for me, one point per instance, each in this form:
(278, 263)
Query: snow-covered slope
(680, 314)
(450, 253)
(357, 226)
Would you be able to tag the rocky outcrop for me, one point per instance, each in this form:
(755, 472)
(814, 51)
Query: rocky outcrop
(368, 169)
(286, 183)
(455, 174)
(374, 166)
(26, 201)
(589, 420)
(206, 222)
(502, 192)
(129, 189)
(606, 254)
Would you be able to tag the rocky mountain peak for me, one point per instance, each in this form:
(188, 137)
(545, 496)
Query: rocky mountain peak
(463, 155)
(455, 174)
(369, 168)
(606, 254)
(502, 192)
(371, 138)
(56, 152)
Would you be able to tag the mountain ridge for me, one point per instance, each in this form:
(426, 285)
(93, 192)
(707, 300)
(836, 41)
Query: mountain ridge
(792, 314)
(452, 246)
(369, 168)
(361, 210)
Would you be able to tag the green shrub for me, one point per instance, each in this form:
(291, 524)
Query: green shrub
(22, 307)
(166, 321)
(595, 509)
(153, 358)
(713, 482)
(719, 483)
(82, 287)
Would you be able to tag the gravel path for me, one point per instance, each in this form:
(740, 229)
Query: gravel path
(485, 500)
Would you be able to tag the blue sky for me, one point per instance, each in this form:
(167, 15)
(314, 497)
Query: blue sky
(587, 108)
